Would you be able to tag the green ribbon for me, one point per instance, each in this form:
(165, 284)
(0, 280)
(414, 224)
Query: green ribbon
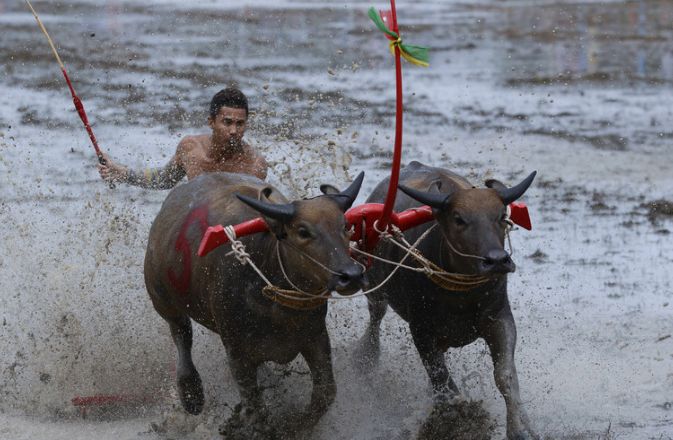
(417, 55)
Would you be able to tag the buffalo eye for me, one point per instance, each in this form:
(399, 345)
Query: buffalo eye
(458, 220)
(304, 232)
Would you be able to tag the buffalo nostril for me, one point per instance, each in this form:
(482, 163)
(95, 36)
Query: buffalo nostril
(350, 276)
(498, 261)
(496, 257)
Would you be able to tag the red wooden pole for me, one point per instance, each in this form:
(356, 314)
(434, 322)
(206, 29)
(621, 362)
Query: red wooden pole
(383, 222)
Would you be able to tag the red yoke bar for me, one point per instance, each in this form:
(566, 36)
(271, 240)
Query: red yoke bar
(362, 216)
(518, 213)
(215, 235)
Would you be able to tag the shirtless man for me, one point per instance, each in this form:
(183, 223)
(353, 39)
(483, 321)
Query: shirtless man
(222, 150)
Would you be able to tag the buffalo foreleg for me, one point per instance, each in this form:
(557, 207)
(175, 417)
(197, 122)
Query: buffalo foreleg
(189, 381)
(249, 421)
(318, 356)
(369, 347)
(444, 388)
(500, 335)
(245, 374)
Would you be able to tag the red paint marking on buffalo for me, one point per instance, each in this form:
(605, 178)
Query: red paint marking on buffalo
(181, 282)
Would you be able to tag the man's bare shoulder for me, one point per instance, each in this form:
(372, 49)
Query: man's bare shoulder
(253, 151)
(190, 143)
(257, 164)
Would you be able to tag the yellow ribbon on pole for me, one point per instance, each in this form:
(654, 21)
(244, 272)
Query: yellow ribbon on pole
(405, 53)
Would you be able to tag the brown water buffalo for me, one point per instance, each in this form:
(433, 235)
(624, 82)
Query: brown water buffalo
(307, 237)
(468, 239)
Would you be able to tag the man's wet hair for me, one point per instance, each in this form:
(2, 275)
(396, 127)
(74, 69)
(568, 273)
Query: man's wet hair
(229, 97)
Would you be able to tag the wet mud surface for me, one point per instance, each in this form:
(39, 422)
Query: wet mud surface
(580, 92)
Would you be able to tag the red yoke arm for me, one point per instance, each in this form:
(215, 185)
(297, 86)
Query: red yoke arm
(361, 217)
(215, 235)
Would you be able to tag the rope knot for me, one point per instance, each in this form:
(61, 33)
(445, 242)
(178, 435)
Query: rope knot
(237, 247)
(397, 232)
(383, 234)
(239, 252)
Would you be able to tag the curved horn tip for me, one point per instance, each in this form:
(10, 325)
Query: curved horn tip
(283, 213)
(434, 200)
(346, 197)
(529, 180)
(509, 195)
(356, 184)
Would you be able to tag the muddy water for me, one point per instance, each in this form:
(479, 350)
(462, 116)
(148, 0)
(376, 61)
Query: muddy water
(579, 92)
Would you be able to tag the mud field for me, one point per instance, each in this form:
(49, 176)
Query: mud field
(580, 92)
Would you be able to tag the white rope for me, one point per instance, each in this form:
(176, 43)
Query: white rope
(405, 245)
(310, 258)
(238, 249)
(385, 235)
(287, 278)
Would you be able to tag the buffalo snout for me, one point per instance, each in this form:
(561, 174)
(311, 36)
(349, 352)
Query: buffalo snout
(497, 261)
(348, 280)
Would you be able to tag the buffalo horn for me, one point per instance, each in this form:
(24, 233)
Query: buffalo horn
(434, 200)
(346, 197)
(282, 213)
(508, 195)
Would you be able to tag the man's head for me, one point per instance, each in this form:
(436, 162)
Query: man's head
(228, 116)
(229, 97)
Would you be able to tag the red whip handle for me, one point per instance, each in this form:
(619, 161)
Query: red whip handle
(85, 120)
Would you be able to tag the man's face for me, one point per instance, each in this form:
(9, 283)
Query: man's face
(228, 125)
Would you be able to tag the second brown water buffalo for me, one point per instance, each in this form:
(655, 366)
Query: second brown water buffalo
(467, 239)
(306, 247)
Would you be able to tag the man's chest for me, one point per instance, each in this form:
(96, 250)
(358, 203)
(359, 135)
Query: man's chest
(201, 164)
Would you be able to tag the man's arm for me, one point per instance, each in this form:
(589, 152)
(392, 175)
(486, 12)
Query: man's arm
(152, 178)
(157, 178)
(259, 167)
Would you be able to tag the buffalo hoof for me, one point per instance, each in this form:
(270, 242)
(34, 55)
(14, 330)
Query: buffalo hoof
(315, 411)
(249, 423)
(458, 421)
(520, 428)
(191, 393)
(321, 398)
(448, 394)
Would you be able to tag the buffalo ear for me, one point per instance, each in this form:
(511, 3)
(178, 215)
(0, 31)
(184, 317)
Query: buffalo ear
(495, 184)
(264, 194)
(328, 189)
(275, 226)
(346, 197)
(435, 187)
(509, 195)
